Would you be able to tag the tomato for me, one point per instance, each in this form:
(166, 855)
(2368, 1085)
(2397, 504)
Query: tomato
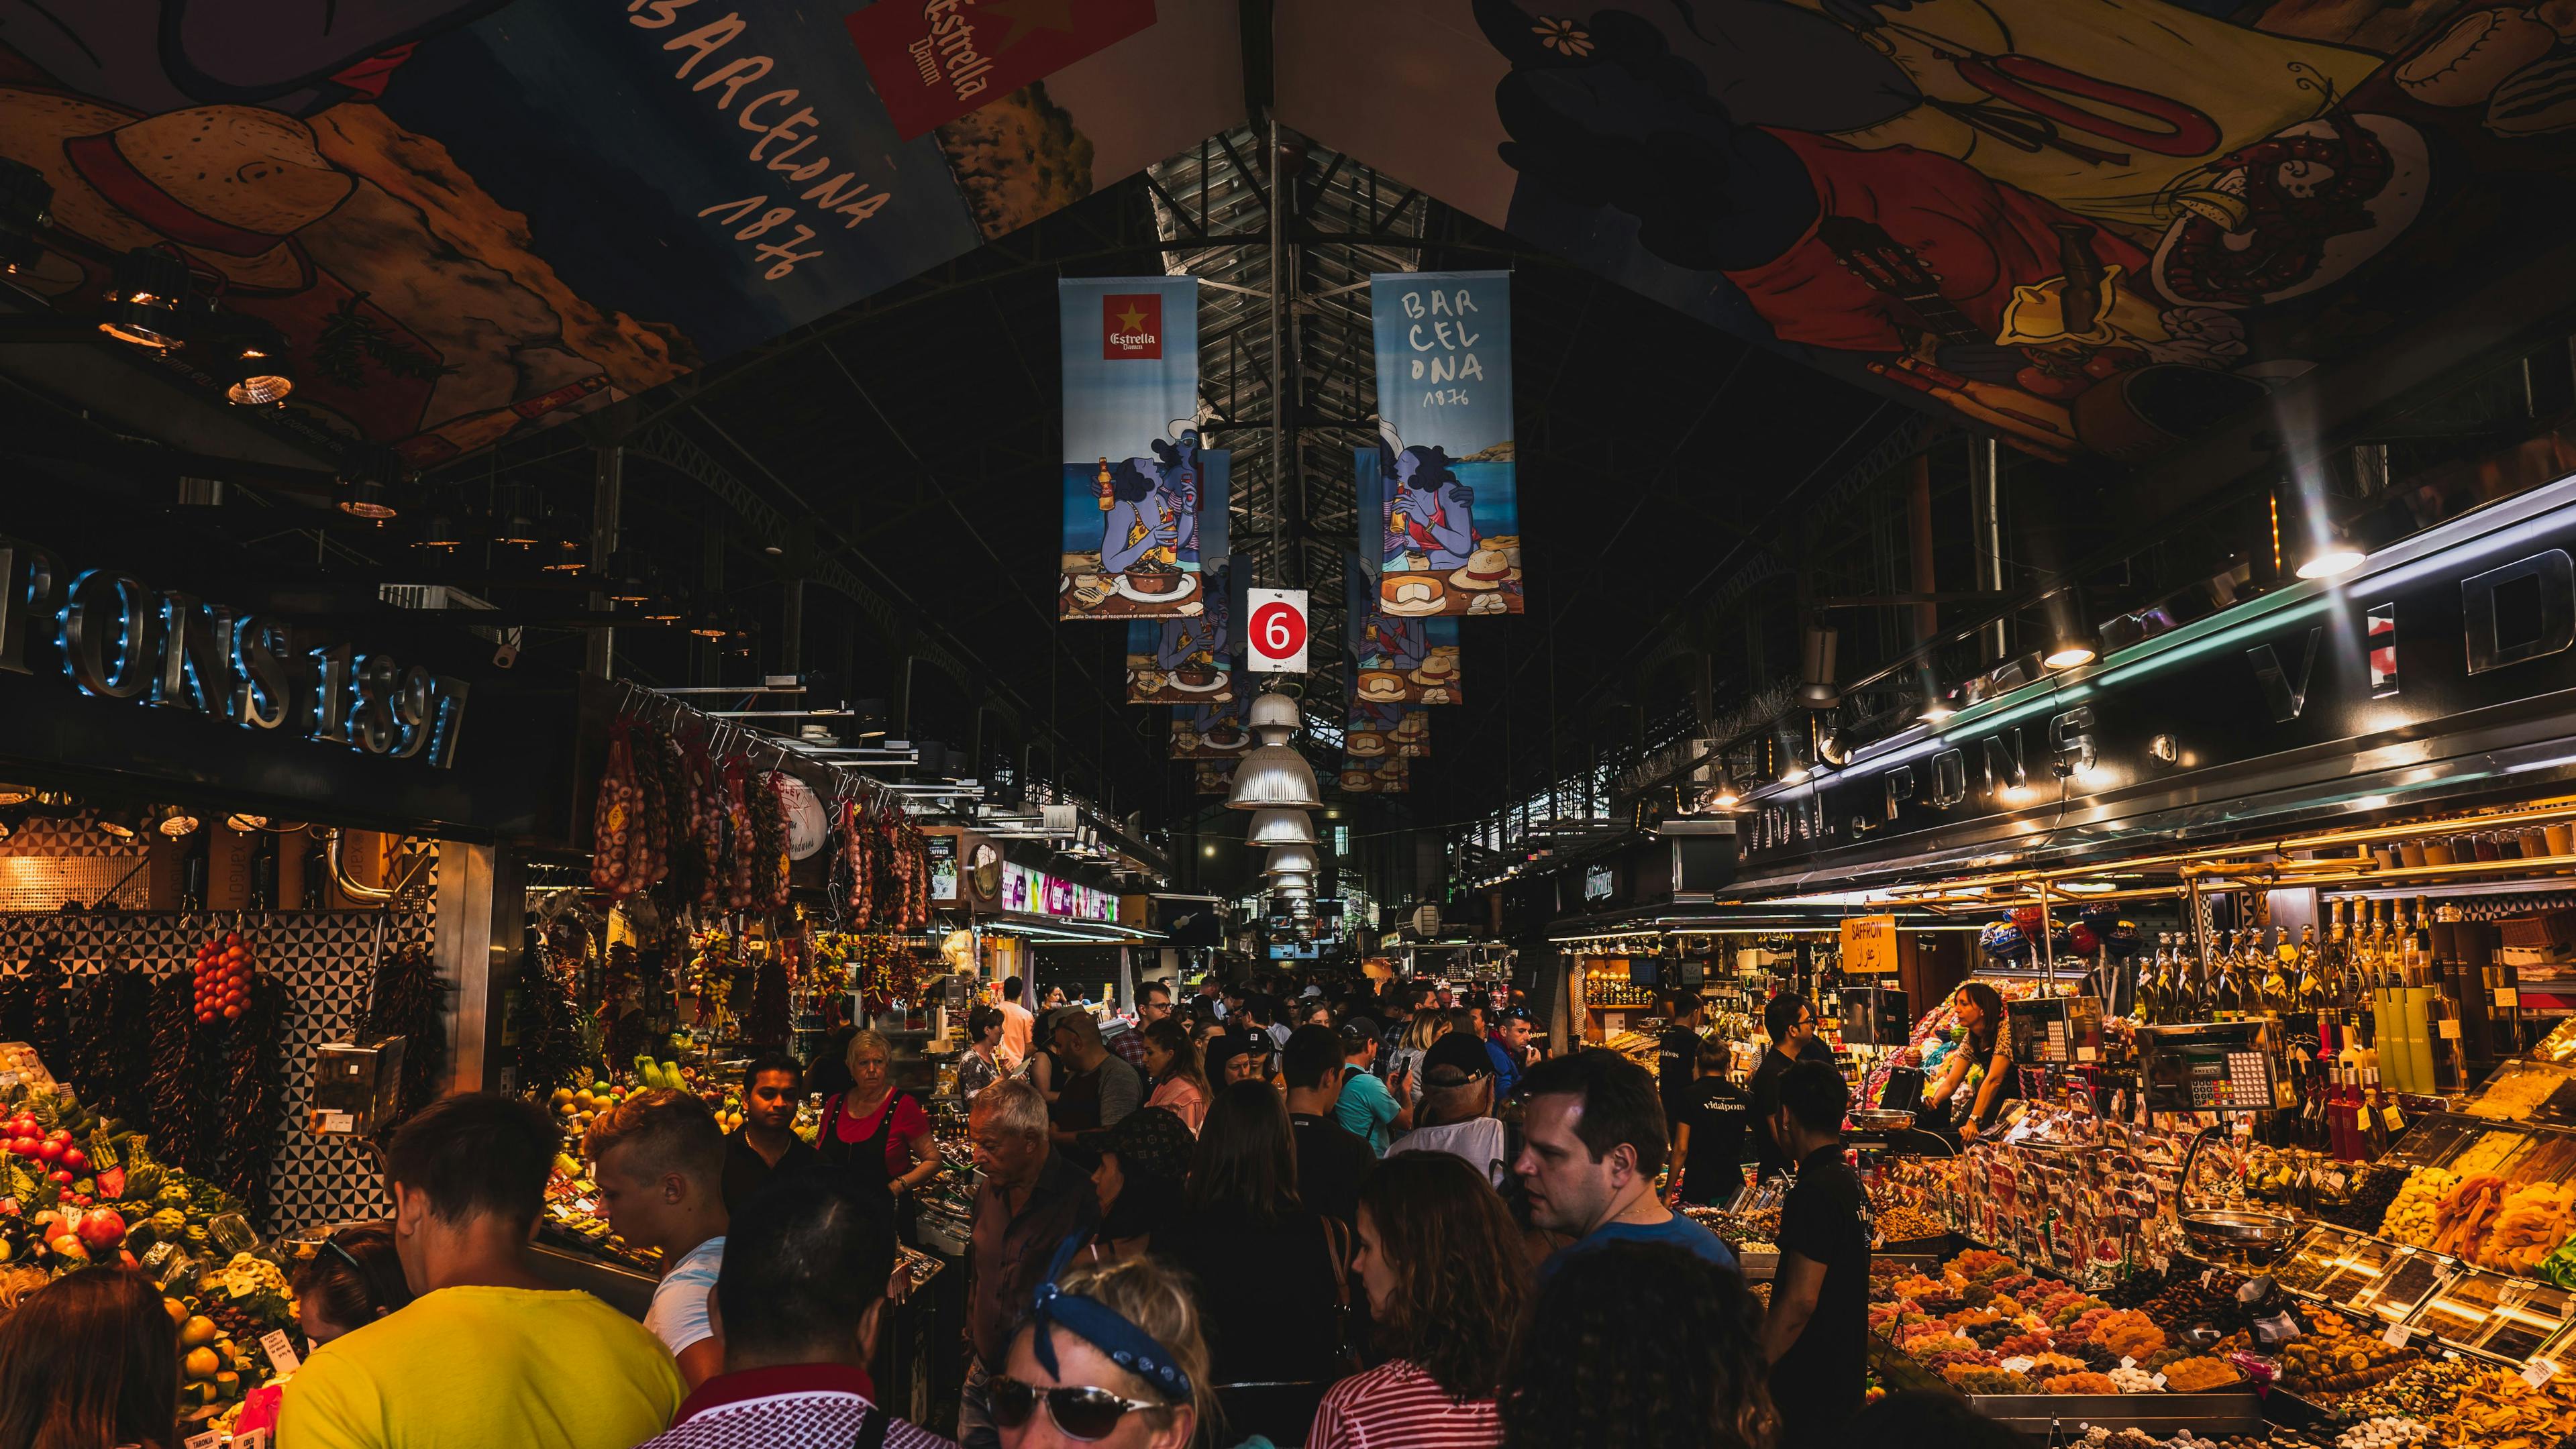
(233, 1011)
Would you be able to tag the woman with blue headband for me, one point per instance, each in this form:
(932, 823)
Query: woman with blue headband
(1111, 1355)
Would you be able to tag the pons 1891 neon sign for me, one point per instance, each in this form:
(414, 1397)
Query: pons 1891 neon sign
(116, 637)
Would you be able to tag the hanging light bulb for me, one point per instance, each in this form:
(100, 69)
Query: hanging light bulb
(176, 821)
(1292, 857)
(147, 298)
(1280, 827)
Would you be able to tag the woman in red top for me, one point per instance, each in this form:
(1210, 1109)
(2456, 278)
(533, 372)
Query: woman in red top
(1445, 1276)
(877, 1134)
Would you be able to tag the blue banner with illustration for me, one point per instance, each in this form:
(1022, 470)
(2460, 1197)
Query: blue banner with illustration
(1212, 731)
(1440, 524)
(1134, 476)
(1399, 660)
(1187, 661)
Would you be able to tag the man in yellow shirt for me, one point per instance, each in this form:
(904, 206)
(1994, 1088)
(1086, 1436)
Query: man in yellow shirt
(487, 1353)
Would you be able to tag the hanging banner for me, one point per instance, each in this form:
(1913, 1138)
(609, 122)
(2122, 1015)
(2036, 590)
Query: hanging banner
(1400, 660)
(1411, 736)
(1185, 661)
(934, 63)
(1211, 731)
(1439, 491)
(1133, 473)
(1368, 731)
(1394, 777)
(1215, 777)
(1359, 777)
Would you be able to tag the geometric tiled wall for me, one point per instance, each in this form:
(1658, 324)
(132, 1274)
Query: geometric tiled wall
(327, 962)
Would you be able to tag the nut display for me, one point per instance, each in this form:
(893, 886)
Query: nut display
(2411, 1214)
(2382, 1431)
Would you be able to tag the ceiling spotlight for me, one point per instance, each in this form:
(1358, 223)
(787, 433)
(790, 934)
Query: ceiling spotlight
(709, 627)
(147, 299)
(176, 821)
(123, 823)
(368, 498)
(441, 533)
(1796, 774)
(1724, 796)
(515, 520)
(251, 363)
(16, 794)
(2070, 650)
(2333, 557)
(662, 611)
(1819, 692)
(243, 824)
(569, 545)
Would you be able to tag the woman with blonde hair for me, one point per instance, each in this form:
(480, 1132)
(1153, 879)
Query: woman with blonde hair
(1404, 1064)
(879, 1136)
(1111, 1354)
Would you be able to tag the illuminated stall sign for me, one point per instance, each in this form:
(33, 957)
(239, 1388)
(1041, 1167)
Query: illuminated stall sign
(1036, 893)
(2471, 626)
(113, 636)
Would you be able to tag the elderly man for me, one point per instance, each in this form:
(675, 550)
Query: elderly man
(1031, 1199)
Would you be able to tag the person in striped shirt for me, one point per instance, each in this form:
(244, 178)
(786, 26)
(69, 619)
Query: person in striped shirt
(1442, 1264)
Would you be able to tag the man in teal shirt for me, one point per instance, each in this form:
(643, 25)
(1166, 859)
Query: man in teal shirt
(1367, 1110)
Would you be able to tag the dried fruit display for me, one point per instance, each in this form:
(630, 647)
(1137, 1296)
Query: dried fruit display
(2466, 1215)
(2534, 1220)
(2411, 1217)
(2497, 1408)
(2083, 1383)
(2200, 1375)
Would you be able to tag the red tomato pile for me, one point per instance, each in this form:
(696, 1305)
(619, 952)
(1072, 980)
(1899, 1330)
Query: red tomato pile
(223, 978)
(53, 1154)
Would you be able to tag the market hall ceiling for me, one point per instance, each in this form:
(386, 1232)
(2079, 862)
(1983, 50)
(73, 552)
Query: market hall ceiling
(2094, 226)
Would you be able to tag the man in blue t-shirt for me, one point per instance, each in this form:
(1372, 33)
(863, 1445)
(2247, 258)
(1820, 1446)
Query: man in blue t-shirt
(1367, 1109)
(1592, 1131)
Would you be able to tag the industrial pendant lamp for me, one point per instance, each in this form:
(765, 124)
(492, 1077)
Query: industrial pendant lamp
(1274, 776)
(2071, 641)
(1280, 827)
(147, 299)
(2331, 557)
(1284, 878)
(1292, 857)
(1294, 893)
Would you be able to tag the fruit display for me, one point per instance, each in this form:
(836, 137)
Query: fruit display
(2466, 1214)
(2497, 1410)
(2200, 1375)
(2336, 1360)
(2382, 1432)
(2411, 1214)
(2083, 1383)
(1903, 1224)
(2415, 1392)
(2532, 1222)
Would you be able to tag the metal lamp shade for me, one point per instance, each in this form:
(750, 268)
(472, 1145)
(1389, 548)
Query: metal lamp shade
(1294, 893)
(1273, 718)
(1292, 857)
(1280, 880)
(1280, 827)
(1274, 777)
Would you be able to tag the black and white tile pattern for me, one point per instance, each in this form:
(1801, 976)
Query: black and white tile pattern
(326, 960)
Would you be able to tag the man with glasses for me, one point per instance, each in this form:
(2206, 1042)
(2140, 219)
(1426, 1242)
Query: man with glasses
(1030, 1200)
(1791, 1021)
(800, 1300)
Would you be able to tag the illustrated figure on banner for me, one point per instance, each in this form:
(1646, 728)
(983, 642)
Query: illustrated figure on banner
(1430, 514)
(1150, 520)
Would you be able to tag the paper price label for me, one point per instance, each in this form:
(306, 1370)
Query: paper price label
(2390, 1115)
(2127, 1362)
(280, 1349)
(339, 1122)
(2450, 1028)
(2085, 1054)
(251, 1439)
(2507, 996)
(211, 1439)
(2020, 1365)
(2397, 1335)
(2158, 1380)
(2539, 1371)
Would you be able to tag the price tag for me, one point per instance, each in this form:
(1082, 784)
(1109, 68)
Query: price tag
(339, 1122)
(2020, 1365)
(282, 1358)
(2507, 996)
(2085, 1054)
(251, 1439)
(2390, 1115)
(211, 1439)
(2450, 1028)
(2158, 1380)
(2335, 1181)
(2397, 1335)
(2539, 1371)
(2127, 1362)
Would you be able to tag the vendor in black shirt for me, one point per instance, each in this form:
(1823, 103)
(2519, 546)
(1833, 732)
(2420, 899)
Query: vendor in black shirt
(1677, 1060)
(1708, 1134)
(766, 1144)
(1816, 1335)
(1791, 1021)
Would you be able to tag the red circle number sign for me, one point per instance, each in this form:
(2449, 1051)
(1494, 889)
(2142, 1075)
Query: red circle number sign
(1278, 630)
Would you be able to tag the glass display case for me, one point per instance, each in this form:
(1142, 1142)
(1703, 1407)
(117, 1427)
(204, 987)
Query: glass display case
(2529, 1315)
(2464, 1310)
(2519, 1091)
(2550, 1158)
(2490, 1152)
(2331, 1264)
(2434, 1137)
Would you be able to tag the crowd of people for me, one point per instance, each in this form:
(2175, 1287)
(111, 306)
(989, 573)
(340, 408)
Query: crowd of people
(1346, 1217)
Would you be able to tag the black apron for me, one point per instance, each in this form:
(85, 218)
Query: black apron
(864, 1161)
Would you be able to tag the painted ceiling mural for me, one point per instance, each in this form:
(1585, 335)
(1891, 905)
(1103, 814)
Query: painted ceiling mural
(2095, 226)
(471, 218)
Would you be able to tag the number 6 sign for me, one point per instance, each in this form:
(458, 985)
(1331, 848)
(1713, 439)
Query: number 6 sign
(1275, 628)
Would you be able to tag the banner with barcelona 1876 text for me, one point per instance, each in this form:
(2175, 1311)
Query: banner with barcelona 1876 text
(1133, 477)
(1440, 527)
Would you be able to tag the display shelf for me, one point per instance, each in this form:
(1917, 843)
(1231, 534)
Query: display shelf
(2527, 1091)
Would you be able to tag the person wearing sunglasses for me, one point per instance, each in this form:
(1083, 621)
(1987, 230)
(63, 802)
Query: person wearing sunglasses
(1111, 1354)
